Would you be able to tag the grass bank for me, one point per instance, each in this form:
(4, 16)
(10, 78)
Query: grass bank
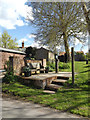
(71, 99)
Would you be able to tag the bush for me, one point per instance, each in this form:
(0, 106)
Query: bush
(80, 56)
(51, 69)
(26, 69)
(51, 66)
(9, 78)
(63, 65)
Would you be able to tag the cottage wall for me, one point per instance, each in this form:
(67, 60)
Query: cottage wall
(0, 60)
(6, 53)
(16, 63)
(51, 57)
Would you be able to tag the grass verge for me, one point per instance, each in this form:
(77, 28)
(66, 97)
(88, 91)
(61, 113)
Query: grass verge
(71, 99)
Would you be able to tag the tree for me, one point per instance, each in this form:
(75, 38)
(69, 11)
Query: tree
(30, 52)
(7, 42)
(58, 23)
(88, 55)
(80, 56)
(86, 14)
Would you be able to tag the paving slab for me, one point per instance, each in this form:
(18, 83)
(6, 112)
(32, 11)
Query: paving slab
(50, 74)
(43, 79)
(49, 91)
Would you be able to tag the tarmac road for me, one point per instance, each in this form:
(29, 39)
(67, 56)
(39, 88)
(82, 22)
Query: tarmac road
(19, 109)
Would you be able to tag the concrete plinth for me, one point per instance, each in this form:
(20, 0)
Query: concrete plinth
(39, 81)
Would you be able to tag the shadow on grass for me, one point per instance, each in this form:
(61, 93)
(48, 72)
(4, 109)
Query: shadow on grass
(87, 66)
(67, 101)
(75, 106)
(85, 71)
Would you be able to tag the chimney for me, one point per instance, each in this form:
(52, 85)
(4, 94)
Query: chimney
(22, 44)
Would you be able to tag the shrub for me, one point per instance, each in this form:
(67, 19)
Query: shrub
(80, 56)
(63, 65)
(51, 66)
(51, 69)
(9, 78)
(26, 69)
(8, 68)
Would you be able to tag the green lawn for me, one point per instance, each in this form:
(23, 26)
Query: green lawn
(71, 99)
(78, 67)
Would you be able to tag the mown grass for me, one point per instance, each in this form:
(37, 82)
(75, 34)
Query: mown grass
(78, 66)
(74, 99)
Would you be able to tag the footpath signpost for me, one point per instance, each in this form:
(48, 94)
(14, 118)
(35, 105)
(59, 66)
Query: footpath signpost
(72, 54)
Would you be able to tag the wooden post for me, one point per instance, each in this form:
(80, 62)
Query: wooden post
(56, 63)
(72, 52)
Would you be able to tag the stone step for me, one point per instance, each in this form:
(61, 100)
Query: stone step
(53, 87)
(59, 81)
(62, 77)
(2, 73)
(49, 91)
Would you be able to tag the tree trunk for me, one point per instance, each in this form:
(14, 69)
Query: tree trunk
(86, 14)
(67, 56)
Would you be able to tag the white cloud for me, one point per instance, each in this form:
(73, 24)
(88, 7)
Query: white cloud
(11, 11)
(35, 44)
(21, 40)
(85, 50)
(31, 36)
(77, 41)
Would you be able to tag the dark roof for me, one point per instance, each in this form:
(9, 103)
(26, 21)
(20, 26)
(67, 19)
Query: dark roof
(45, 49)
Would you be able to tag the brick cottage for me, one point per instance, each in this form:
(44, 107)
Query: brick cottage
(6, 53)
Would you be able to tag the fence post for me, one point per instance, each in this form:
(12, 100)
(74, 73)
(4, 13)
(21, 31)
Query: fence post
(72, 53)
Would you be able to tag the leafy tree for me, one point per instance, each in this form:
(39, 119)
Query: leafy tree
(7, 42)
(88, 55)
(30, 52)
(80, 56)
(58, 23)
(86, 14)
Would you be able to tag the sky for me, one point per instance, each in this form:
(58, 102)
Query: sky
(13, 15)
